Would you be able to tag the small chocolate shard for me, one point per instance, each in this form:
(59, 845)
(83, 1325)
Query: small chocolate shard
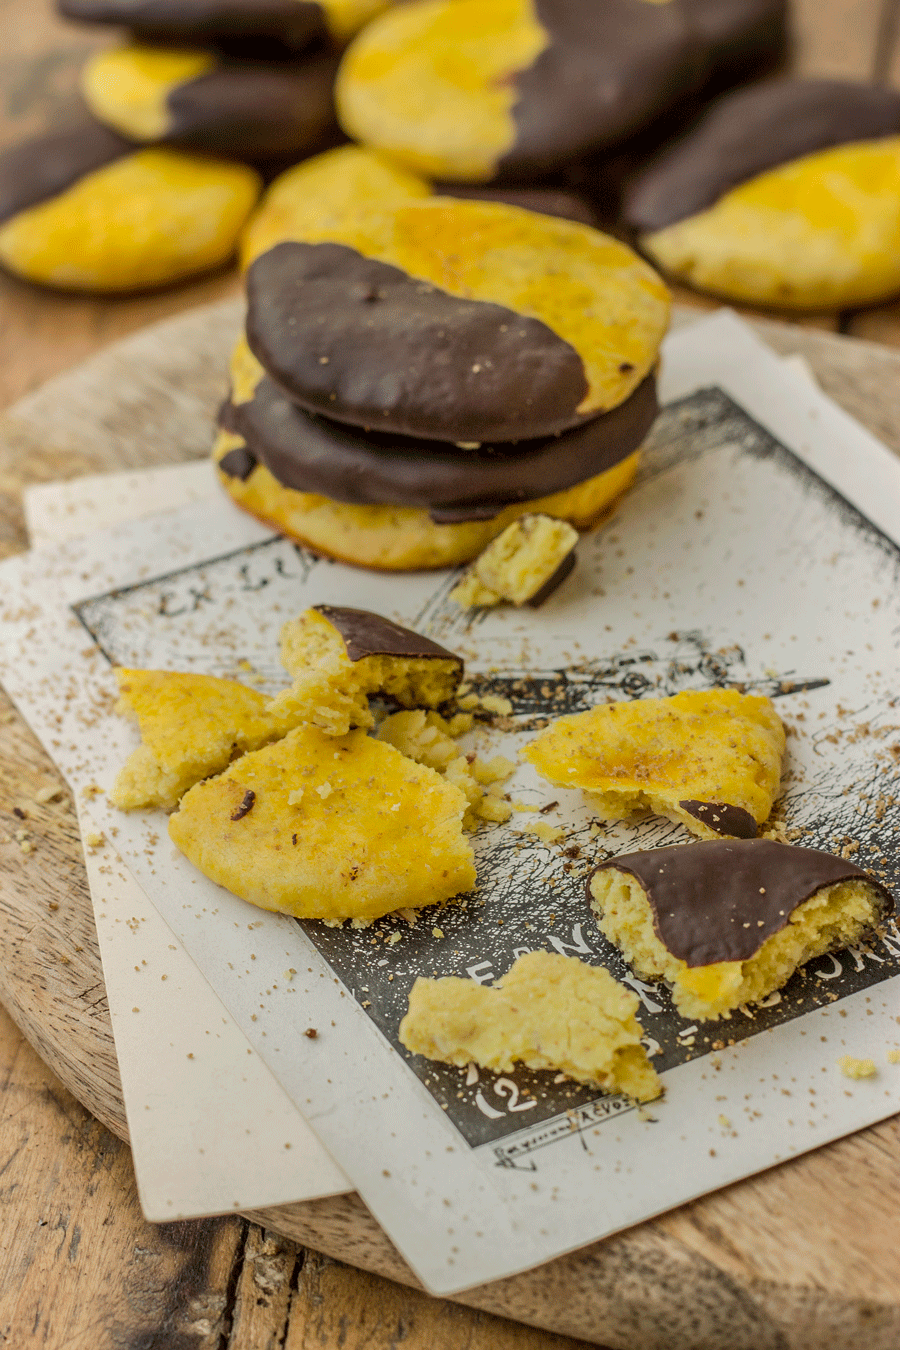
(238, 463)
(722, 818)
(550, 585)
(368, 634)
(246, 805)
(311, 1032)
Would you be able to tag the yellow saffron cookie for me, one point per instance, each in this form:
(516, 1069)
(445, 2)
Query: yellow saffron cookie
(371, 654)
(85, 211)
(785, 194)
(708, 759)
(547, 1012)
(191, 726)
(328, 828)
(462, 89)
(728, 922)
(545, 322)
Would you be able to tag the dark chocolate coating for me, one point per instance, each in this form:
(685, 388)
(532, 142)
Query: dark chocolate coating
(720, 900)
(753, 130)
(610, 67)
(740, 35)
(722, 818)
(545, 201)
(294, 22)
(313, 454)
(363, 342)
(566, 567)
(238, 463)
(366, 634)
(255, 111)
(37, 170)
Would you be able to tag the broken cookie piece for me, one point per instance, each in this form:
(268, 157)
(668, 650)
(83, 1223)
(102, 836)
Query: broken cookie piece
(525, 564)
(428, 738)
(331, 828)
(191, 726)
(727, 922)
(547, 1012)
(708, 759)
(367, 654)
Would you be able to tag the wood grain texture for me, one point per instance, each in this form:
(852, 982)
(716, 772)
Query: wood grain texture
(795, 1259)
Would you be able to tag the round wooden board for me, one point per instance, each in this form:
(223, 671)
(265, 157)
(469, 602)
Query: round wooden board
(804, 1256)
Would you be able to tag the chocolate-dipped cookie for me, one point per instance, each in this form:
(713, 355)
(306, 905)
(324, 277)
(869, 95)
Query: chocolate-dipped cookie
(786, 193)
(728, 922)
(709, 759)
(399, 538)
(529, 328)
(465, 91)
(309, 453)
(86, 210)
(194, 100)
(295, 23)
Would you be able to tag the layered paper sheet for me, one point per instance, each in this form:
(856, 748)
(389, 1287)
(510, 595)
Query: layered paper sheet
(760, 550)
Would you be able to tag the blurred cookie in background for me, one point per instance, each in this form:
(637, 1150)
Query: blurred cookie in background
(470, 91)
(87, 210)
(294, 23)
(196, 100)
(786, 193)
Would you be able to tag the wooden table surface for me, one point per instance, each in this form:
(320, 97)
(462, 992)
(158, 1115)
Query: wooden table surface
(79, 1267)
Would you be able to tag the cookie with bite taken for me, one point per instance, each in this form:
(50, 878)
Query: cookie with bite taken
(728, 922)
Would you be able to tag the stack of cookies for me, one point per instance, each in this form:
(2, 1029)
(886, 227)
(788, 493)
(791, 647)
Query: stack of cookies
(416, 376)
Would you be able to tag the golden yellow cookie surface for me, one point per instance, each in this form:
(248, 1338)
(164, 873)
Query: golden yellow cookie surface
(321, 191)
(146, 219)
(326, 827)
(673, 755)
(820, 232)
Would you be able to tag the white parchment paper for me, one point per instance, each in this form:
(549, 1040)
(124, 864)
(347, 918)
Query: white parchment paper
(759, 549)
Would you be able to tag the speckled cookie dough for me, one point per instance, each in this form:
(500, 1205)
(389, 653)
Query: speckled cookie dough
(295, 23)
(404, 331)
(525, 564)
(707, 759)
(728, 922)
(194, 100)
(785, 194)
(322, 191)
(462, 90)
(548, 1012)
(84, 211)
(328, 828)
